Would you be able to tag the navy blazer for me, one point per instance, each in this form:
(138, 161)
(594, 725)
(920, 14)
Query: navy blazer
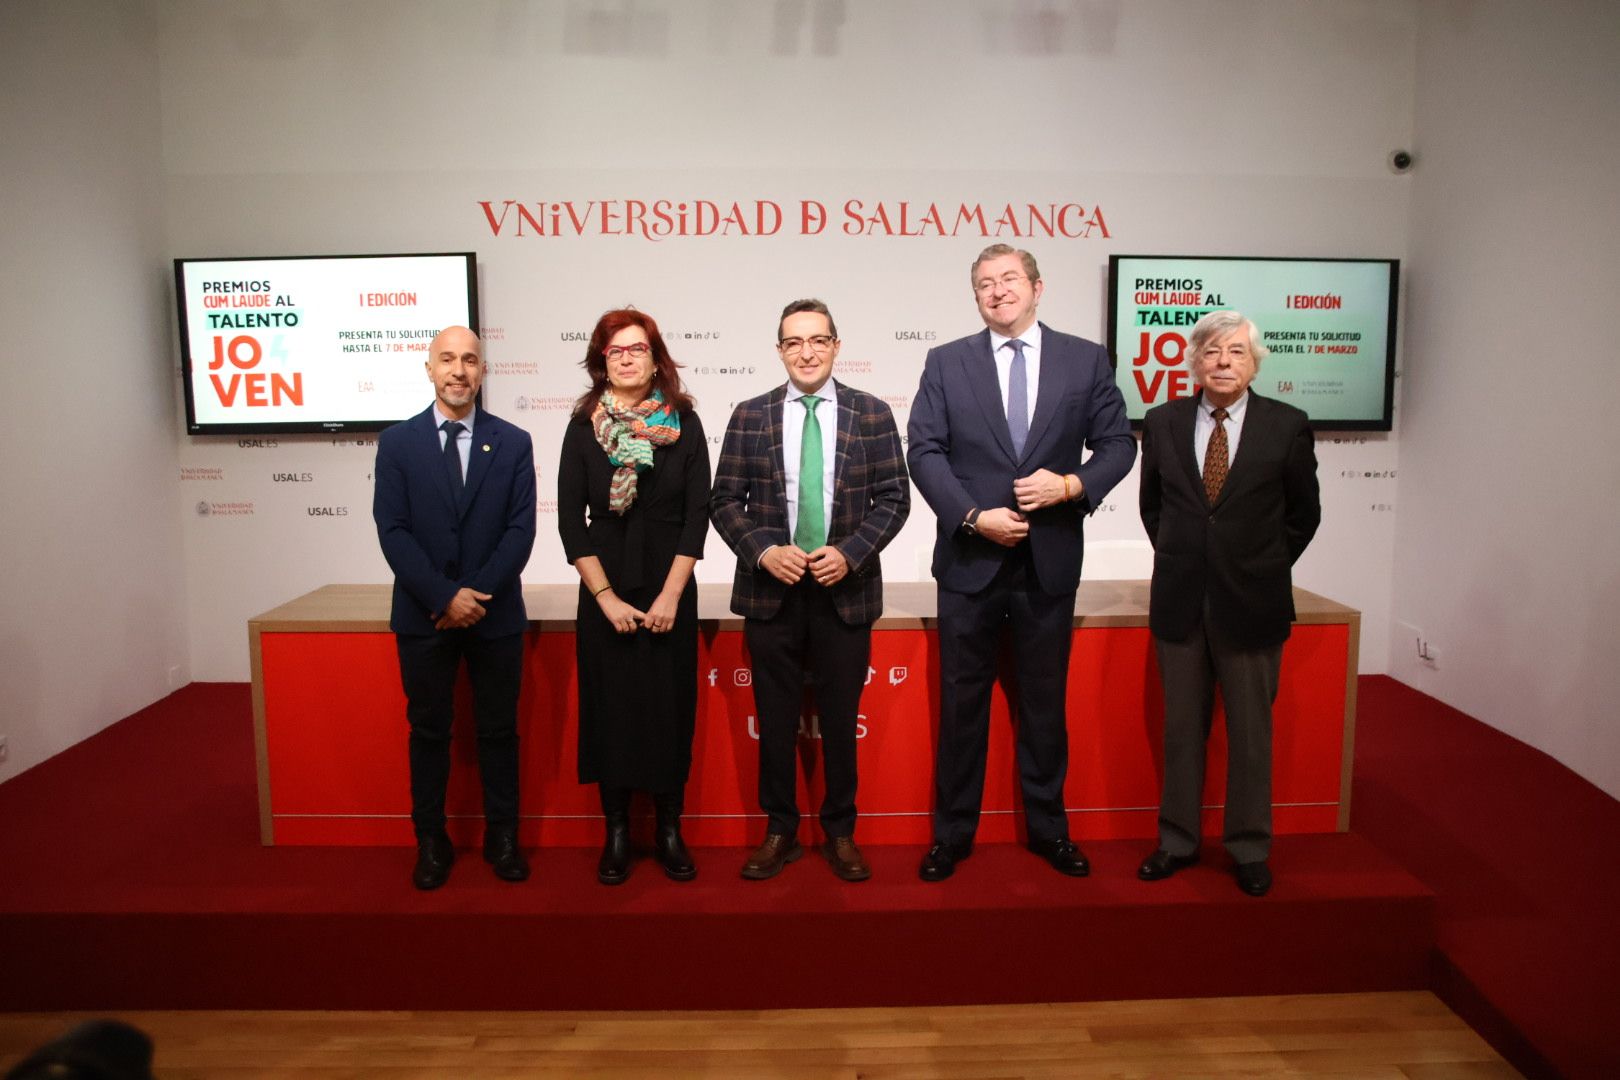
(436, 544)
(1238, 553)
(871, 500)
(961, 456)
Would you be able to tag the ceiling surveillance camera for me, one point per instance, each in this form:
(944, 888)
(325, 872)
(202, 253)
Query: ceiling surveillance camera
(1400, 161)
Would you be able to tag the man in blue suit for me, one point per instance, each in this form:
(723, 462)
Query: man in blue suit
(997, 435)
(454, 507)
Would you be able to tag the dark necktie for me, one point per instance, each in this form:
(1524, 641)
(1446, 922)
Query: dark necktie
(810, 531)
(1018, 399)
(1215, 460)
(452, 454)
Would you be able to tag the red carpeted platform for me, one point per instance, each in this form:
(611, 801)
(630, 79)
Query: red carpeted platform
(134, 878)
(131, 876)
(1522, 855)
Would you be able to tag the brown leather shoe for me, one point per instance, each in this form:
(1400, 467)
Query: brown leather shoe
(845, 859)
(769, 858)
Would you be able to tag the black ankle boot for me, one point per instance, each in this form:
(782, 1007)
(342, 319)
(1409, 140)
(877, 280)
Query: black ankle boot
(614, 866)
(668, 846)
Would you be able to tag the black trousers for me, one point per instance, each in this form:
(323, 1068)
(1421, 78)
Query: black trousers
(972, 628)
(428, 664)
(807, 641)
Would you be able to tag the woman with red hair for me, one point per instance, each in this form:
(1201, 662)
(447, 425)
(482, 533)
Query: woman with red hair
(632, 508)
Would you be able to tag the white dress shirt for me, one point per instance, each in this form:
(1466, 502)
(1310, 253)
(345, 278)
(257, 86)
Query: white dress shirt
(793, 443)
(1032, 365)
(1204, 427)
(463, 440)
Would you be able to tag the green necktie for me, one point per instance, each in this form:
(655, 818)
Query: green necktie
(811, 531)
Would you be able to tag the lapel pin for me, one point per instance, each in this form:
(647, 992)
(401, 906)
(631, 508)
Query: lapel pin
(486, 448)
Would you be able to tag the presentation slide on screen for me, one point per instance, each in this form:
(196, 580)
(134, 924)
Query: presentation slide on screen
(1328, 324)
(321, 343)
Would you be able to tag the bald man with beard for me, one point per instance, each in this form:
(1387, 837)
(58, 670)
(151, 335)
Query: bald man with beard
(454, 506)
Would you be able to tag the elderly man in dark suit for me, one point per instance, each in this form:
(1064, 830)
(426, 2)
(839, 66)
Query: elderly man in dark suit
(998, 435)
(454, 506)
(1229, 499)
(807, 515)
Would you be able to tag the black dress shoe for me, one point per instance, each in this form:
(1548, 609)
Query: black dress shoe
(501, 852)
(1254, 878)
(434, 854)
(1161, 864)
(1064, 856)
(940, 862)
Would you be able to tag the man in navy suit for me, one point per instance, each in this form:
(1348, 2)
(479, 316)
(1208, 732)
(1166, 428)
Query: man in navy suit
(998, 435)
(454, 507)
(807, 516)
(1229, 499)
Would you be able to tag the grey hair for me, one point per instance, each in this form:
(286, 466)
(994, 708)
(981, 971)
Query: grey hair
(1217, 324)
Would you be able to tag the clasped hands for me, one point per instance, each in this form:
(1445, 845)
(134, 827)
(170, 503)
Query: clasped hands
(464, 609)
(659, 618)
(788, 563)
(1040, 489)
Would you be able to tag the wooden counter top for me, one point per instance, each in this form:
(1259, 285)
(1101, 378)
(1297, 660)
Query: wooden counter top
(908, 605)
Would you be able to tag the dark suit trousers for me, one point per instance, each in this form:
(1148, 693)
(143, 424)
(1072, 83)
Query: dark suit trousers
(1190, 671)
(428, 664)
(807, 638)
(971, 632)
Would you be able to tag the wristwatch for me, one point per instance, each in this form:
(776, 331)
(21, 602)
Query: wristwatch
(971, 522)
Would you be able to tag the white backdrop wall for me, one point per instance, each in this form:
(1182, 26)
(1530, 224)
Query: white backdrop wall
(300, 127)
(1505, 557)
(92, 627)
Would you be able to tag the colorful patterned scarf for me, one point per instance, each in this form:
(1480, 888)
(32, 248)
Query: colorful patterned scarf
(628, 435)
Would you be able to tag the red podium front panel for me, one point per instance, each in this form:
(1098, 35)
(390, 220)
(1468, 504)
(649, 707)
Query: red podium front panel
(332, 734)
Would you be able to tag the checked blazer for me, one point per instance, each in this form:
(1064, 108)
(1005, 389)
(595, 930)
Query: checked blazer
(871, 499)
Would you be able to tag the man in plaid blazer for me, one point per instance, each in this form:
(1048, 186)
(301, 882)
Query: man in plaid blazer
(810, 487)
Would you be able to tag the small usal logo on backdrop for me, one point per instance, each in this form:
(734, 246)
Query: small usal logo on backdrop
(208, 508)
(196, 472)
(328, 511)
(291, 477)
(528, 403)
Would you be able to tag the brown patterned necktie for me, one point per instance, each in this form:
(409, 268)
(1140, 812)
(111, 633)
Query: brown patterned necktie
(1215, 458)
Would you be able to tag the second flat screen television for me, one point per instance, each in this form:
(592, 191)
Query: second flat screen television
(1329, 323)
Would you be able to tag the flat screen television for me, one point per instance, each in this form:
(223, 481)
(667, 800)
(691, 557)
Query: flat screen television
(1329, 323)
(314, 343)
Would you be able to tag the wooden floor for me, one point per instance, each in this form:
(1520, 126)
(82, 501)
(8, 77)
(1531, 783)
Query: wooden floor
(1394, 1035)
